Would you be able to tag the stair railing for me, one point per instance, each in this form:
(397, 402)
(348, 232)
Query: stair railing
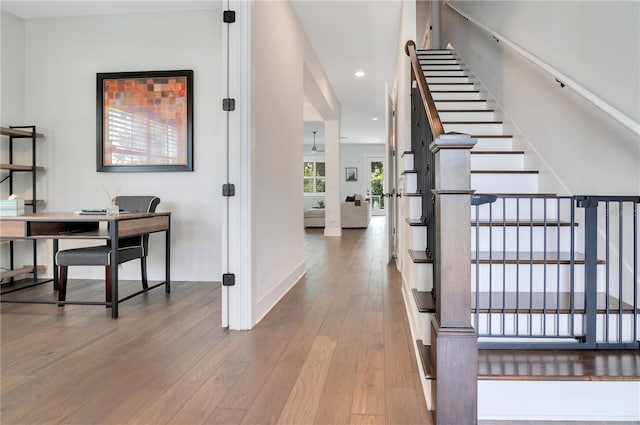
(561, 78)
(426, 127)
(446, 202)
(551, 280)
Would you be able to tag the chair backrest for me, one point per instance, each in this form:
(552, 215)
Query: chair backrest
(137, 204)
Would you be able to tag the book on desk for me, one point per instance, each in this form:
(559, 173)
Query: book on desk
(95, 211)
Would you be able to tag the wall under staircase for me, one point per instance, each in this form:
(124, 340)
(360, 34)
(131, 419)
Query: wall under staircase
(527, 281)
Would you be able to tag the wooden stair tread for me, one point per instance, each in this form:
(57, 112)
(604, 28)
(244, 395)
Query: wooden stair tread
(524, 195)
(471, 122)
(564, 365)
(406, 153)
(424, 301)
(409, 172)
(457, 100)
(504, 171)
(412, 194)
(454, 91)
(424, 352)
(415, 222)
(536, 257)
(420, 256)
(522, 223)
(538, 303)
(465, 110)
(497, 152)
(447, 84)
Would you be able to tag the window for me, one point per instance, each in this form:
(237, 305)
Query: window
(314, 178)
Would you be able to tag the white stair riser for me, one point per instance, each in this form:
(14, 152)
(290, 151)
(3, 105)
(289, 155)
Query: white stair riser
(497, 162)
(521, 239)
(537, 324)
(408, 162)
(419, 275)
(493, 144)
(415, 207)
(504, 183)
(444, 73)
(467, 116)
(441, 61)
(428, 52)
(411, 182)
(438, 86)
(440, 105)
(474, 128)
(452, 67)
(579, 401)
(436, 56)
(537, 208)
(455, 96)
(448, 80)
(418, 238)
(498, 277)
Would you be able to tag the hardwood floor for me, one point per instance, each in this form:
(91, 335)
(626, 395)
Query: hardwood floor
(335, 350)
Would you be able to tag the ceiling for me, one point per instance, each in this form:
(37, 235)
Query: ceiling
(348, 36)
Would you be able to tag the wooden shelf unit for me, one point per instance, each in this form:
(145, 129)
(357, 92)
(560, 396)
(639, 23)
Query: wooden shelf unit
(21, 134)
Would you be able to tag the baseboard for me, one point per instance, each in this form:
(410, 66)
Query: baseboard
(264, 305)
(407, 298)
(337, 231)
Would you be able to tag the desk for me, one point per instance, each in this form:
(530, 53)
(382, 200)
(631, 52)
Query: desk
(57, 226)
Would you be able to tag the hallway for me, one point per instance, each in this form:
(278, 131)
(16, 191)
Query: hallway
(335, 350)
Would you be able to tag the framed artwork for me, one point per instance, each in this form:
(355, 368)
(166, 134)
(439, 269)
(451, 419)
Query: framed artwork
(352, 174)
(145, 121)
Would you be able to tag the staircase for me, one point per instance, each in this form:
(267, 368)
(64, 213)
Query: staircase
(530, 274)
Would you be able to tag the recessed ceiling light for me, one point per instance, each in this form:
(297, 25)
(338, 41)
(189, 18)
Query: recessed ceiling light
(359, 74)
(375, 118)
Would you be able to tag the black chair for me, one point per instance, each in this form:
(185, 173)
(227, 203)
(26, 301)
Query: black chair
(129, 248)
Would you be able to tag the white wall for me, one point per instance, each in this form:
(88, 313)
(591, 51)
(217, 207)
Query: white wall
(402, 104)
(597, 44)
(12, 77)
(277, 129)
(63, 56)
(355, 155)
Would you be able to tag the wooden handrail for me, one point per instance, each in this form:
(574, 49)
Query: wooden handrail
(429, 105)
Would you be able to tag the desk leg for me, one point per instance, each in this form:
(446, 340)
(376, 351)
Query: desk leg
(55, 266)
(167, 259)
(113, 234)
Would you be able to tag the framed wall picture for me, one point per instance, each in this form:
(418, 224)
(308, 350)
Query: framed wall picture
(145, 121)
(352, 174)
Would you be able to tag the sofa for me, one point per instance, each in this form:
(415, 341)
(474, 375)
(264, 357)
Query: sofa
(314, 217)
(356, 214)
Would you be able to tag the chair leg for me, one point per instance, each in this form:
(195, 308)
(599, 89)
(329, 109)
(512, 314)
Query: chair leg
(107, 285)
(143, 270)
(62, 285)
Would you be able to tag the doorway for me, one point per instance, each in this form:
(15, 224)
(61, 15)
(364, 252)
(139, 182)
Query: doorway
(375, 184)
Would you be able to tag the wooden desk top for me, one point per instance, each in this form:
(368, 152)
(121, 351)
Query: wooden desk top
(69, 216)
(74, 226)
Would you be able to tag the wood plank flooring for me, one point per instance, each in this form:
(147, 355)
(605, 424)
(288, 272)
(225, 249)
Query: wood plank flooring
(335, 350)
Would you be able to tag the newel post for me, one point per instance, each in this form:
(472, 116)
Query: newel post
(455, 342)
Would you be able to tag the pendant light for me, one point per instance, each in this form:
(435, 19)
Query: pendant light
(314, 149)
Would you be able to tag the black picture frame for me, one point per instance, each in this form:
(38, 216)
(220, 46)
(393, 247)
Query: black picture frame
(144, 121)
(351, 174)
